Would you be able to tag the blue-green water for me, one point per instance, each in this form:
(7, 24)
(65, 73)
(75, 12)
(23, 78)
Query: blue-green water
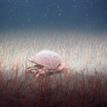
(80, 15)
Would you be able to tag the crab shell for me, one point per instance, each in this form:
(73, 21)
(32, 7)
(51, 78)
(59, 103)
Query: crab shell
(49, 59)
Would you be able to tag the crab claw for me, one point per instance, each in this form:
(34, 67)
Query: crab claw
(61, 67)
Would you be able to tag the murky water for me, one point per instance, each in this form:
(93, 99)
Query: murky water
(79, 50)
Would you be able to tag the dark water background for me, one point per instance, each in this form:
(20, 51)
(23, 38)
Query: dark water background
(60, 15)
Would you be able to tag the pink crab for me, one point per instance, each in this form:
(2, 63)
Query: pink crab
(46, 63)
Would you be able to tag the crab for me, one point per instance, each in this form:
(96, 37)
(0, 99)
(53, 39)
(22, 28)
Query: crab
(46, 63)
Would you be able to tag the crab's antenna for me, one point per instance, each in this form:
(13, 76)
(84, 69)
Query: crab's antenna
(32, 61)
(39, 65)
